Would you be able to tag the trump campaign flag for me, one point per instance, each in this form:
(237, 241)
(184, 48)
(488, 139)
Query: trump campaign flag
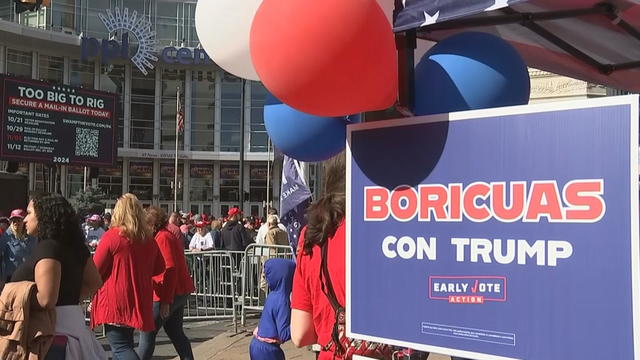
(294, 199)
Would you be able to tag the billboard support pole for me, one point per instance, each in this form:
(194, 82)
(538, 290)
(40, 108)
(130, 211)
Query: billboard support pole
(84, 179)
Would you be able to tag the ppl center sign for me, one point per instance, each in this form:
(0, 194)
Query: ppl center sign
(136, 27)
(507, 233)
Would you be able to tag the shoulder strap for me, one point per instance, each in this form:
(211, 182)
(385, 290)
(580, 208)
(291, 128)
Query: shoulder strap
(324, 275)
(331, 296)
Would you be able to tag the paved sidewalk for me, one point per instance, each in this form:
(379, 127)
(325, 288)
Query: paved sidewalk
(230, 346)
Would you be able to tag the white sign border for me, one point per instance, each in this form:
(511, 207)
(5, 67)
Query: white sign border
(630, 100)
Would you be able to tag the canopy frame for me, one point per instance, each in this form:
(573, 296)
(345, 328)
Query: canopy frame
(406, 40)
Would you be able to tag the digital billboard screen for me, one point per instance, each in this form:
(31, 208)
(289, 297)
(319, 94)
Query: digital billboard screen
(49, 123)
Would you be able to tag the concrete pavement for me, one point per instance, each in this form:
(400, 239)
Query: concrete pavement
(230, 346)
(216, 340)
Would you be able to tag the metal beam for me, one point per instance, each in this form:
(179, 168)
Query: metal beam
(406, 45)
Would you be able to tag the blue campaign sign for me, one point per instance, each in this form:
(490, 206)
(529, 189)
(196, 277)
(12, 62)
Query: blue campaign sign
(507, 233)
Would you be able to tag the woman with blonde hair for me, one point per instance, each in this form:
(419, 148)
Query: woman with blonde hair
(127, 259)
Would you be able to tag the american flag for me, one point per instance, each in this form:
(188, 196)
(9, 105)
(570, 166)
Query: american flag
(417, 13)
(180, 116)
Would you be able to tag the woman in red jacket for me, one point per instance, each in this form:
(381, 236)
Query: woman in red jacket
(171, 290)
(127, 258)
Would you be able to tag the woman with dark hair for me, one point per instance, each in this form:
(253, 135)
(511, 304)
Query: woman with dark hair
(312, 316)
(171, 290)
(127, 259)
(63, 271)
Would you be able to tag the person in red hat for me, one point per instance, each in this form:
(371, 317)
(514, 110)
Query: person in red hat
(17, 245)
(201, 240)
(234, 235)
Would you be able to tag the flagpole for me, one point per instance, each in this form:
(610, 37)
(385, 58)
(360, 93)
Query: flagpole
(268, 171)
(175, 166)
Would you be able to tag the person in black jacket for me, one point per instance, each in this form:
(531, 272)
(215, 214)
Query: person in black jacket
(234, 236)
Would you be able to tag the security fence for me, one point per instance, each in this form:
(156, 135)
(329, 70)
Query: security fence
(228, 284)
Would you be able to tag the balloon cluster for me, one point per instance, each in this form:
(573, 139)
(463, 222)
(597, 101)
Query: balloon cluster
(326, 59)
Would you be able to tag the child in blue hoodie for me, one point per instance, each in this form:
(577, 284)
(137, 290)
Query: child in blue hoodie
(273, 328)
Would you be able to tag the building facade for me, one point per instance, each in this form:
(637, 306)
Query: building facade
(65, 44)
(547, 87)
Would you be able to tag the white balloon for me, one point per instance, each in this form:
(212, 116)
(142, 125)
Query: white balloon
(223, 28)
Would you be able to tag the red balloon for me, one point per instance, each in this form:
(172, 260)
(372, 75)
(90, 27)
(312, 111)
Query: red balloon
(326, 57)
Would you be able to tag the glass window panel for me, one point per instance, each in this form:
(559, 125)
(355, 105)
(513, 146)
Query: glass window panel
(201, 182)
(257, 182)
(19, 63)
(171, 79)
(230, 130)
(166, 181)
(141, 179)
(92, 25)
(40, 177)
(51, 68)
(259, 138)
(190, 22)
(110, 181)
(202, 110)
(37, 19)
(229, 181)
(112, 79)
(230, 122)
(63, 15)
(142, 109)
(6, 10)
(82, 73)
(75, 179)
(167, 18)
(23, 168)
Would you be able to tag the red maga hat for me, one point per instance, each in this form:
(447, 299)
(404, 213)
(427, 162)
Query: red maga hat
(17, 213)
(234, 211)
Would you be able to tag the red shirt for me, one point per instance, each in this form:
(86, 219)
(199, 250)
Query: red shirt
(126, 298)
(175, 280)
(307, 292)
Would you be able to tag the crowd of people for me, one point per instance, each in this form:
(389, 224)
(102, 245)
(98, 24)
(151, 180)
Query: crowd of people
(138, 279)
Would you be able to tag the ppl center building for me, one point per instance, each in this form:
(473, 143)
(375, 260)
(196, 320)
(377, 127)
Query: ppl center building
(62, 43)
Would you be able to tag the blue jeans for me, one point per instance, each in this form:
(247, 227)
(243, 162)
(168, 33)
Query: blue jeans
(121, 341)
(172, 325)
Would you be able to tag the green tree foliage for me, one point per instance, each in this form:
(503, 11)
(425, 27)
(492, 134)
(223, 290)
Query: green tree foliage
(90, 201)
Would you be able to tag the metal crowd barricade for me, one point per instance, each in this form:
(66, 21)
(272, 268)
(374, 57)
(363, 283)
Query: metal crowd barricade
(254, 288)
(218, 280)
(216, 277)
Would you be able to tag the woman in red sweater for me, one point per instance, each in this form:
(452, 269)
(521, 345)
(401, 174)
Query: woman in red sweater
(127, 258)
(171, 290)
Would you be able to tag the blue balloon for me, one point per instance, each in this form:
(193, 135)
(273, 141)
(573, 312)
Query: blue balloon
(470, 70)
(302, 136)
